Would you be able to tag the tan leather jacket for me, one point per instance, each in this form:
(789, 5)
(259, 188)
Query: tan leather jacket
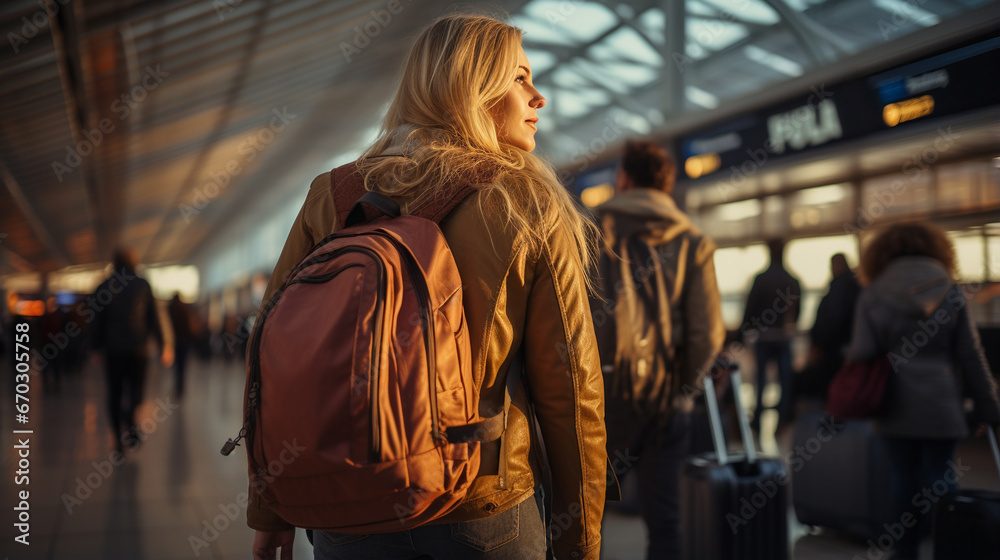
(511, 298)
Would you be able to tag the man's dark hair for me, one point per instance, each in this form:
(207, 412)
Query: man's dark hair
(648, 165)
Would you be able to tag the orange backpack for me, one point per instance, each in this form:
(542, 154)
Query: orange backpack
(361, 412)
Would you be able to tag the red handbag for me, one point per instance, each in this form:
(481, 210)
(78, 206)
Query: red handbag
(858, 389)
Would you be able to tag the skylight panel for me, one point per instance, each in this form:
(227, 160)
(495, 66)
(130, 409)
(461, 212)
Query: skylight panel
(714, 35)
(571, 104)
(565, 77)
(591, 73)
(541, 60)
(910, 10)
(653, 22)
(540, 31)
(697, 7)
(695, 51)
(701, 97)
(618, 77)
(772, 60)
(638, 123)
(582, 21)
(751, 11)
(628, 43)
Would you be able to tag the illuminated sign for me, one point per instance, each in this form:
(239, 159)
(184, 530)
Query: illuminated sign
(808, 125)
(955, 80)
(895, 113)
(696, 166)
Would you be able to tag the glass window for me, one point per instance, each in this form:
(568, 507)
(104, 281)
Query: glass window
(735, 220)
(895, 195)
(991, 188)
(969, 252)
(735, 269)
(818, 206)
(809, 261)
(960, 184)
(993, 251)
(776, 216)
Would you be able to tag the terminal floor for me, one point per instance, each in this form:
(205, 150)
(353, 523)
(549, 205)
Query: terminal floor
(173, 497)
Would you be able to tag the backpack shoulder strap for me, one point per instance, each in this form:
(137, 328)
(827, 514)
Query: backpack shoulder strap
(493, 427)
(384, 204)
(348, 188)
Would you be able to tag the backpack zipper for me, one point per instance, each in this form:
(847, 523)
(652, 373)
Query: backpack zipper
(424, 298)
(375, 448)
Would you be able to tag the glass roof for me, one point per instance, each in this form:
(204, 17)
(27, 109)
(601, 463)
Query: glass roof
(598, 60)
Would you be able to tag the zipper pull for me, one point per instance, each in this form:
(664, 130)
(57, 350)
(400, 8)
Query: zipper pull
(228, 447)
(231, 443)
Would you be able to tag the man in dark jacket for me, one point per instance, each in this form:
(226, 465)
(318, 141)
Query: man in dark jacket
(126, 317)
(659, 326)
(831, 333)
(769, 321)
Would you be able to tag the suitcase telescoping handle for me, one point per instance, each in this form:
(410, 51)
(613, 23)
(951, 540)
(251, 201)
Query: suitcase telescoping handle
(715, 420)
(993, 445)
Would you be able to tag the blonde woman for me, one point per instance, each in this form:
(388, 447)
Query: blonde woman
(462, 123)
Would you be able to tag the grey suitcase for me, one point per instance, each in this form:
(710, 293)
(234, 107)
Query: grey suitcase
(839, 480)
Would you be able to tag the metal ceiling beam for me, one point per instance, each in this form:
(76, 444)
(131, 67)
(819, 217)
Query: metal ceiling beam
(675, 44)
(218, 133)
(817, 41)
(66, 38)
(38, 225)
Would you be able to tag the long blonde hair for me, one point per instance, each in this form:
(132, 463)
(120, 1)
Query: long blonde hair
(440, 130)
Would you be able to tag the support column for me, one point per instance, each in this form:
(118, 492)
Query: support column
(674, 55)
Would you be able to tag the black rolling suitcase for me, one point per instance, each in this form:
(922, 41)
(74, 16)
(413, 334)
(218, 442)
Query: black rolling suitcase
(733, 506)
(839, 475)
(967, 523)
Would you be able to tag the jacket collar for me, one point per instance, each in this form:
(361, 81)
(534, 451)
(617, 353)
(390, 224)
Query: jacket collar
(649, 210)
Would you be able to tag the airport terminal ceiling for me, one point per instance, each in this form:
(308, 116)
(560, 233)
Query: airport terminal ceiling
(174, 126)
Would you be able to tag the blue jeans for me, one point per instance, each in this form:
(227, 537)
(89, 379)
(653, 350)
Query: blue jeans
(781, 353)
(919, 470)
(516, 534)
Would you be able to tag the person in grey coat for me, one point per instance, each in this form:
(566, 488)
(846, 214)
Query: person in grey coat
(912, 309)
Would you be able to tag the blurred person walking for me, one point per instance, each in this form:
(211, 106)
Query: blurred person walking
(659, 329)
(126, 317)
(831, 332)
(185, 326)
(769, 323)
(461, 128)
(912, 309)
(52, 325)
